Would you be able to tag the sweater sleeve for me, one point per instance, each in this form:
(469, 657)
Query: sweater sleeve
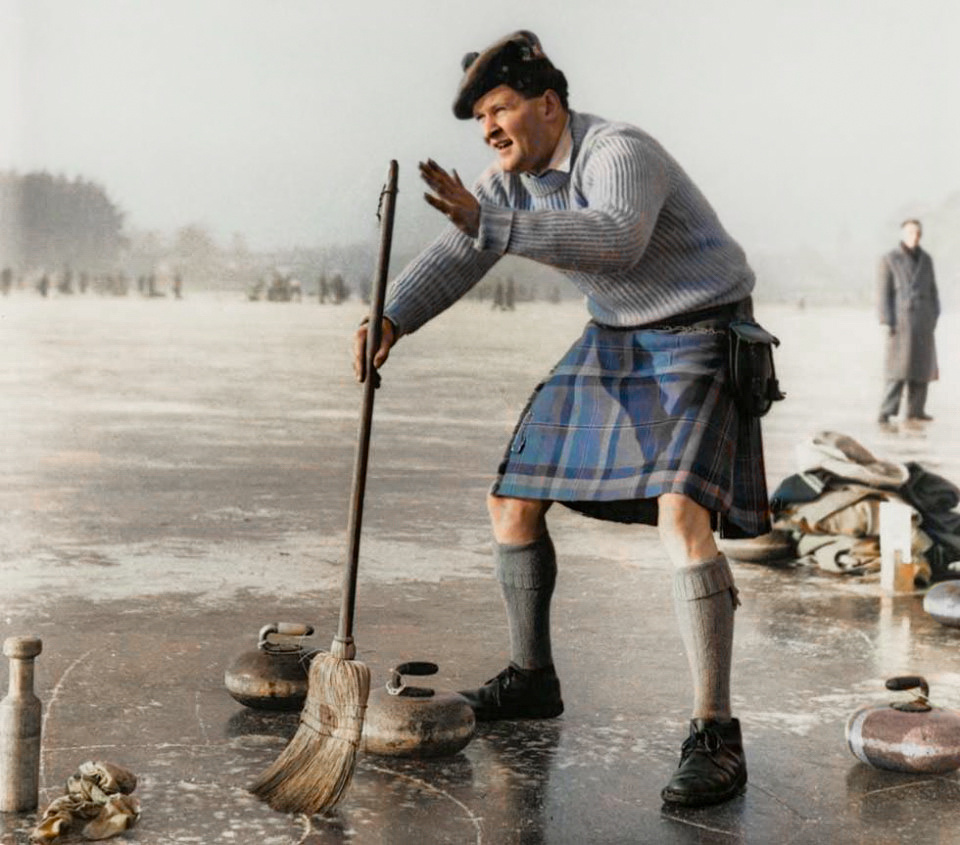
(625, 183)
(436, 279)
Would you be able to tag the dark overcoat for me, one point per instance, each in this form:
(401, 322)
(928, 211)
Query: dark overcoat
(908, 302)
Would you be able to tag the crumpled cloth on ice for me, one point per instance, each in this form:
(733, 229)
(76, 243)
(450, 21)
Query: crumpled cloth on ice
(846, 458)
(98, 794)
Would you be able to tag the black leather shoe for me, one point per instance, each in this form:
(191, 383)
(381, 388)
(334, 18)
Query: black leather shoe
(922, 417)
(517, 694)
(712, 769)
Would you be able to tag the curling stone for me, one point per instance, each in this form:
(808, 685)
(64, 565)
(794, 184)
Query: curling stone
(774, 547)
(908, 736)
(942, 602)
(409, 721)
(274, 675)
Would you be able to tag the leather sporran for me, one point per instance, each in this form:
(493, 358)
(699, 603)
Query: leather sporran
(753, 378)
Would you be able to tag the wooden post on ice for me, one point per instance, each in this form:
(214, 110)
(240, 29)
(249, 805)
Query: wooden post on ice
(20, 729)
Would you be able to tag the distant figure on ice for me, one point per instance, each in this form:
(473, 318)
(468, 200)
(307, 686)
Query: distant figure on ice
(498, 297)
(510, 297)
(339, 289)
(909, 307)
(323, 290)
(66, 282)
(6, 281)
(178, 286)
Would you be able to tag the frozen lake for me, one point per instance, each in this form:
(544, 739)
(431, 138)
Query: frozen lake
(148, 441)
(177, 475)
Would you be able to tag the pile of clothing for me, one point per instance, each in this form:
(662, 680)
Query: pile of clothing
(97, 803)
(829, 512)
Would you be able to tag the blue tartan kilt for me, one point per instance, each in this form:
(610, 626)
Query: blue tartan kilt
(630, 414)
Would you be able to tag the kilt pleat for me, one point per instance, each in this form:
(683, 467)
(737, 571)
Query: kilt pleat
(630, 414)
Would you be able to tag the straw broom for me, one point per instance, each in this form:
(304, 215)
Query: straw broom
(313, 772)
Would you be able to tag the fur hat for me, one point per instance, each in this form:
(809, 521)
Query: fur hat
(516, 60)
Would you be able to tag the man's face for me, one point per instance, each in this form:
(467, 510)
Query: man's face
(517, 128)
(910, 235)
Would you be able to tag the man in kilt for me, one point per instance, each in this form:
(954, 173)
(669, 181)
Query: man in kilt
(636, 423)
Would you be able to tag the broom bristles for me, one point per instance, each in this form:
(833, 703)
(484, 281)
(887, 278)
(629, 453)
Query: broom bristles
(314, 770)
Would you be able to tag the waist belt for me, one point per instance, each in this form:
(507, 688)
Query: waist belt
(722, 313)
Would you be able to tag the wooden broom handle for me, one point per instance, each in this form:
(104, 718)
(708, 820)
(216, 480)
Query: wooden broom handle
(343, 645)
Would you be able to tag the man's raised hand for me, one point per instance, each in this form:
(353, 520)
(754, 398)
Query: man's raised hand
(451, 198)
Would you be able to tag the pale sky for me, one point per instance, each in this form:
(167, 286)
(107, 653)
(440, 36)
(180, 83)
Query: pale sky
(806, 122)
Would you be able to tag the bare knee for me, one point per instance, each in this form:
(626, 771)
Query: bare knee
(517, 521)
(685, 529)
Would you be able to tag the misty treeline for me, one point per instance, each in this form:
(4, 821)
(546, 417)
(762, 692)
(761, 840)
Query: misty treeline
(50, 222)
(55, 229)
(205, 263)
(193, 252)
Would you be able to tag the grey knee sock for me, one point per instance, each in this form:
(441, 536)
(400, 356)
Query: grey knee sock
(705, 599)
(527, 575)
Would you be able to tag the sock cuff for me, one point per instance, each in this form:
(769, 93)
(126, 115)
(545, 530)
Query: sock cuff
(532, 566)
(703, 579)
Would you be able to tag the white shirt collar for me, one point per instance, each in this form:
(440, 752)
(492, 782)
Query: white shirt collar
(561, 154)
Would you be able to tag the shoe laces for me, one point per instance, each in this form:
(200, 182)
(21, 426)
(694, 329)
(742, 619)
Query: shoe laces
(502, 682)
(706, 741)
(505, 679)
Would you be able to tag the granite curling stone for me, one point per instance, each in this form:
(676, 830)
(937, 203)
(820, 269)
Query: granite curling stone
(942, 602)
(773, 547)
(410, 721)
(912, 736)
(274, 675)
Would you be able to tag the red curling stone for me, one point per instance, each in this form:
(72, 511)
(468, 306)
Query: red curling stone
(907, 737)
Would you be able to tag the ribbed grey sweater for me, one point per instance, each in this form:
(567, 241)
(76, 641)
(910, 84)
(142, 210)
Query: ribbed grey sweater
(626, 225)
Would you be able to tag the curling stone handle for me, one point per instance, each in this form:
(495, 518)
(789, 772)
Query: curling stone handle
(285, 629)
(417, 667)
(908, 682)
(396, 686)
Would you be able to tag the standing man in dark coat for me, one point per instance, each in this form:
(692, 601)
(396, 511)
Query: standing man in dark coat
(909, 306)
